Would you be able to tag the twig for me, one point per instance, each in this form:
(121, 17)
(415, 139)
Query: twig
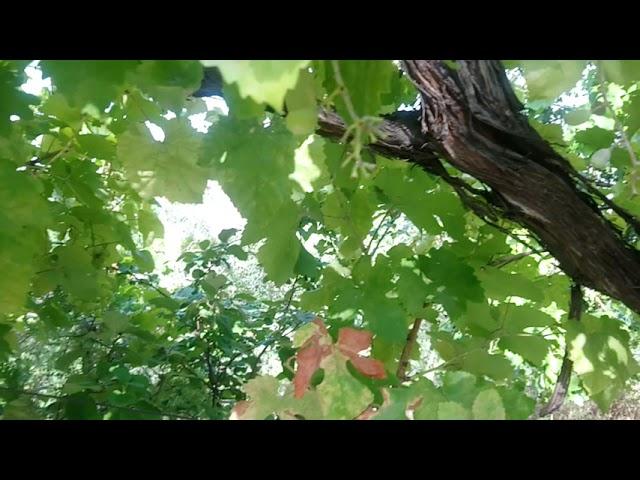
(626, 216)
(279, 331)
(384, 234)
(343, 91)
(509, 233)
(502, 261)
(408, 349)
(375, 233)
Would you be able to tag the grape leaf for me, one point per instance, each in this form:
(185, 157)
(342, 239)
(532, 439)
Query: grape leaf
(153, 167)
(266, 81)
(488, 406)
(546, 79)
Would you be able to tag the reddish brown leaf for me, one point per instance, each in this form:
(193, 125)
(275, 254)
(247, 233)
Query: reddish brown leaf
(308, 359)
(352, 341)
(240, 409)
(318, 321)
(369, 366)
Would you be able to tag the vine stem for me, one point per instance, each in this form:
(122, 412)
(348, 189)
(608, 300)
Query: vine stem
(273, 338)
(564, 378)
(384, 234)
(408, 349)
(501, 262)
(375, 232)
(344, 92)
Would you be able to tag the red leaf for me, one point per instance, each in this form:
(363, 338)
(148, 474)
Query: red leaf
(369, 367)
(308, 359)
(318, 321)
(352, 341)
(240, 408)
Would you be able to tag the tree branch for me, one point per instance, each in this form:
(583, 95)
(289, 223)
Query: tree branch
(408, 349)
(471, 118)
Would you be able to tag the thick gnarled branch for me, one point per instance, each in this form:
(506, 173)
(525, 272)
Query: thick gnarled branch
(474, 122)
(471, 118)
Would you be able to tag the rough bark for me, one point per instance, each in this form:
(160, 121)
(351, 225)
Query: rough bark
(474, 121)
(471, 118)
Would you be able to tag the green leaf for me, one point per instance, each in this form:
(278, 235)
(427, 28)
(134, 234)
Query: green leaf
(531, 348)
(213, 282)
(80, 406)
(454, 282)
(144, 260)
(302, 108)
(453, 411)
(307, 265)
(149, 225)
(238, 252)
(97, 146)
(279, 255)
(595, 138)
(77, 275)
(309, 164)
(519, 317)
(415, 194)
(115, 321)
(479, 362)
(488, 406)
(351, 216)
(599, 349)
(24, 218)
(385, 317)
(460, 387)
(169, 82)
(58, 106)
(500, 285)
(97, 82)
(577, 117)
(517, 405)
(266, 81)
(153, 167)
(262, 196)
(366, 81)
(622, 72)
(547, 79)
(21, 408)
(226, 234)
(412, 291)
(12, 100)
(632, 109)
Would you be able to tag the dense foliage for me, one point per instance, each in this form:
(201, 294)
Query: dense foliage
(384, 292)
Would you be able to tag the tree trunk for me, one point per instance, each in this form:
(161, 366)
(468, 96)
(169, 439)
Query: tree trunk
(474, 119)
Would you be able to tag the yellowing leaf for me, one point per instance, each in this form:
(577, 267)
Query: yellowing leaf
(266, 81)
(167, 169)
(547, 79)
(488, 406)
